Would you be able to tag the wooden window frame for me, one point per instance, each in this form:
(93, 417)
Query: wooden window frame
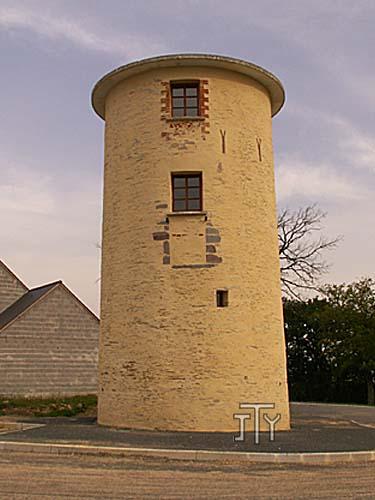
(186, 176)
(185, 85)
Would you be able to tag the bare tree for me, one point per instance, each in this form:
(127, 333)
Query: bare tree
(301, 261)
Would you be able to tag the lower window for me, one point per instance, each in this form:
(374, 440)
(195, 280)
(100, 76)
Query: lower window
(187, 192)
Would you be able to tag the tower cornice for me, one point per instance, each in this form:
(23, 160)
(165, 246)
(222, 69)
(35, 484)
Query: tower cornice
(269, 81)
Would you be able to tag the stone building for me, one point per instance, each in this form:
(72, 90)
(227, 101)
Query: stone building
(48, 340)
(191, 314)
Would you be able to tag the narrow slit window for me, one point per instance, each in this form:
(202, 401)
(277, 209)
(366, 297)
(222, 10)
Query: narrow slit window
(185, 99)
(187, 192)
(222, 298)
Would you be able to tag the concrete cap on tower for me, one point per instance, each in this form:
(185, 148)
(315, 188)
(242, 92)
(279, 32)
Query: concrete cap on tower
(262, 76)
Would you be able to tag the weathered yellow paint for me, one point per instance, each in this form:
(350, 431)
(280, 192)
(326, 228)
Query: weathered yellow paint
(187, 239)
(169, 358)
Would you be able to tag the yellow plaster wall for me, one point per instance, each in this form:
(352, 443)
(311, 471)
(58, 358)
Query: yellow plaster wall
(169, 358)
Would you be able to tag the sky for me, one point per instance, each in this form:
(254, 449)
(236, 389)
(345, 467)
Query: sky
(51, 142)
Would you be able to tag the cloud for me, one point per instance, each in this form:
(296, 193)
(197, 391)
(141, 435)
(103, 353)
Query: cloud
(53, 205)
(60, 28)
(327, 34)
(358, 147)
(297, 178)
(49, 233)
(23, 191)
(349, 143)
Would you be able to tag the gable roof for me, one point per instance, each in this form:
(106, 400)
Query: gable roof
(9, 271)
(24, 302)
(84, 306)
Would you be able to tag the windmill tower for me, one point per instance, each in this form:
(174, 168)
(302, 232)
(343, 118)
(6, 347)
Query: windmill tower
(191, 313)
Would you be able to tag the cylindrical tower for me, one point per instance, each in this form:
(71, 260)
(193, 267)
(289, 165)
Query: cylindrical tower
(191, 314)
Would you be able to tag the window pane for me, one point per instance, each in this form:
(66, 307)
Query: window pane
(179, 181)
(179, 193)
(222, 298)
(194, 192)
(194, 204)
(179, 205)
(191, 112)
(178, 102)
(178, 112)
(191, 102)
(191, 91)
(179, 91)
(194, 181)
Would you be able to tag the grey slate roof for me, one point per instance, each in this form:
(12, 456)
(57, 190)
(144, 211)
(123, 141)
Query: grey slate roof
(24, 302)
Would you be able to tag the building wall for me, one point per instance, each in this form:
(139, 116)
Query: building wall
(11, 288)
(51, 349)
(169, 358)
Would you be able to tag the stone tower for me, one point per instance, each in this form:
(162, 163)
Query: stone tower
(191, 314)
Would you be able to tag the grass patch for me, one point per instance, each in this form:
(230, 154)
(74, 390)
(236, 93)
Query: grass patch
(49, 407)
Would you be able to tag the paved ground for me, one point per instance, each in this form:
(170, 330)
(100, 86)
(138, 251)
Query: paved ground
(363, 415)
(315, 427)
(33, 476)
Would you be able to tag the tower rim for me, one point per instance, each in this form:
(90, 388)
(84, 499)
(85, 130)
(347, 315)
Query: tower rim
(268, 80)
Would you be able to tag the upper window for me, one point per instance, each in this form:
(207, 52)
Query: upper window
(185, 99)
(187, 192)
